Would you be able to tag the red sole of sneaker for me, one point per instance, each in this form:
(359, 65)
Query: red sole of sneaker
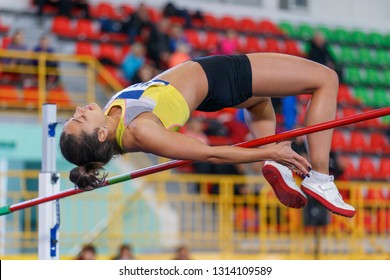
(284, 193)
(330, 207)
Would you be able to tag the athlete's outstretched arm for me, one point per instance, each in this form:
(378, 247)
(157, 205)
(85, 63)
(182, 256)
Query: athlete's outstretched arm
(152, 137)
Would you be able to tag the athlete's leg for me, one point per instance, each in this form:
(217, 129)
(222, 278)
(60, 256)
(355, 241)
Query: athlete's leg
(279, 75)
(282, 75)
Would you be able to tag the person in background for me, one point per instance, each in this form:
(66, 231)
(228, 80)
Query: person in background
(88, 252)
(182, 253)
(125, 253)
(51, 65)
(133, 61)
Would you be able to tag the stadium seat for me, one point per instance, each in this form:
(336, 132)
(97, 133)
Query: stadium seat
(211, 41)
(84, 29)
(154, 14)
(271, 45)
(84, 48)
(127, 9)
(375, 39)
(364, 95)
(62, 26)
(247, 25)
(381, 97)
(358, 142)
(227, 22)
(339, 142)
(357, 37)
(60, 97)
(379, 143)
(291, 47)
(3, 28)
(350, 171)
(374, 77)
(31, 96)
(353, 76)
(108, 54)
(366, 168)
(193, 37)
(305, 31)
(383, 169)
(288, 29)
(347, 55)
(210, 21)
(252, 44)
(268, 27)
(104, 10)
(9, 95)
(364, 57)
(344, 95)
(381, 58)
(340, 36)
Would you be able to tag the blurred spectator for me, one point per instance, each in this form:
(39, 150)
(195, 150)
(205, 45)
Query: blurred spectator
(52, 65)
(177, 36)
(88, 252)
(229, 43)
(289, 111)
(170, 10)
(125, 253)
(319, 52)
(180, 55)
(133, 61)
(17, 44)
(158, 43)
(182, 253)
(134, 24)
(145, 73)
(65, 7)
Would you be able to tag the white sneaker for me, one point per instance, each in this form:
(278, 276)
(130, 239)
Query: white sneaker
(328, 195)
(281, 180)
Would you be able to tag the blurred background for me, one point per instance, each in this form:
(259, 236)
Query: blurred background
(72, 52)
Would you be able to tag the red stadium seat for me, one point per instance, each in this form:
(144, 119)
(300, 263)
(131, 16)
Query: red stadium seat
(104, 10)
(350, 171)
(383, 169)
(108, 53)
(246, 24)
(271, 45)
(339, 142)
(268, 27)
(358, 142)
(211, 41)
(84, 29)
(251, 44)
(193, 38)
(227, 22)
(379, 143)
(30, 96)
(367, 169)
(210, 21)
(291, 47)
(154, 14)
(84, 48)
(62, 26)
(127, 9)
(345, 96)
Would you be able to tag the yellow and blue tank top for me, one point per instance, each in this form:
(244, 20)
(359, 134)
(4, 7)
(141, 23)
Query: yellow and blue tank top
(156, 96)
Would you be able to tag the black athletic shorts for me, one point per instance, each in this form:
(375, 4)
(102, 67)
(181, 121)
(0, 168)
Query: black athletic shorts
(229, 81)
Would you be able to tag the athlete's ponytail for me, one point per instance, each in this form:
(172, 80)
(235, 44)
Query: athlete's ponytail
(87, 176)
(90, 155)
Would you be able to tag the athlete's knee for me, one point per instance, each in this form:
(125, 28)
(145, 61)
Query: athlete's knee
(331, 79)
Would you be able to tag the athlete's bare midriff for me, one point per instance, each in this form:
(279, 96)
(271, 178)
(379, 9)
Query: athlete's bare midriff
(190, 80)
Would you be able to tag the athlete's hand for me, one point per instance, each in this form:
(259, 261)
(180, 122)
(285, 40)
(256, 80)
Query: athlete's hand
(284, 154)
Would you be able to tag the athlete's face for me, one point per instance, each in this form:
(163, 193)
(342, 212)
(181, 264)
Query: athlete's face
(85, 119)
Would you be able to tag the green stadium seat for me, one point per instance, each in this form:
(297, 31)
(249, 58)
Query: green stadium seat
(381, 97)
(381, 58)
(364, 95)
(326, 32)
(353, 76)
(340, 36)
(386, 78)
(374, 77)
(375, 39)
(287, 28)
(386, 41)
(347, 55)
(364, 57)
(357, 37)
(305, 31)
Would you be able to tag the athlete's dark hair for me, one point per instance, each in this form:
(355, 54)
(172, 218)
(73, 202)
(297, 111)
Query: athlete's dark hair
(90, 155)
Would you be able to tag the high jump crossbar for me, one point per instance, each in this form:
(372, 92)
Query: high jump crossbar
(176, 163)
